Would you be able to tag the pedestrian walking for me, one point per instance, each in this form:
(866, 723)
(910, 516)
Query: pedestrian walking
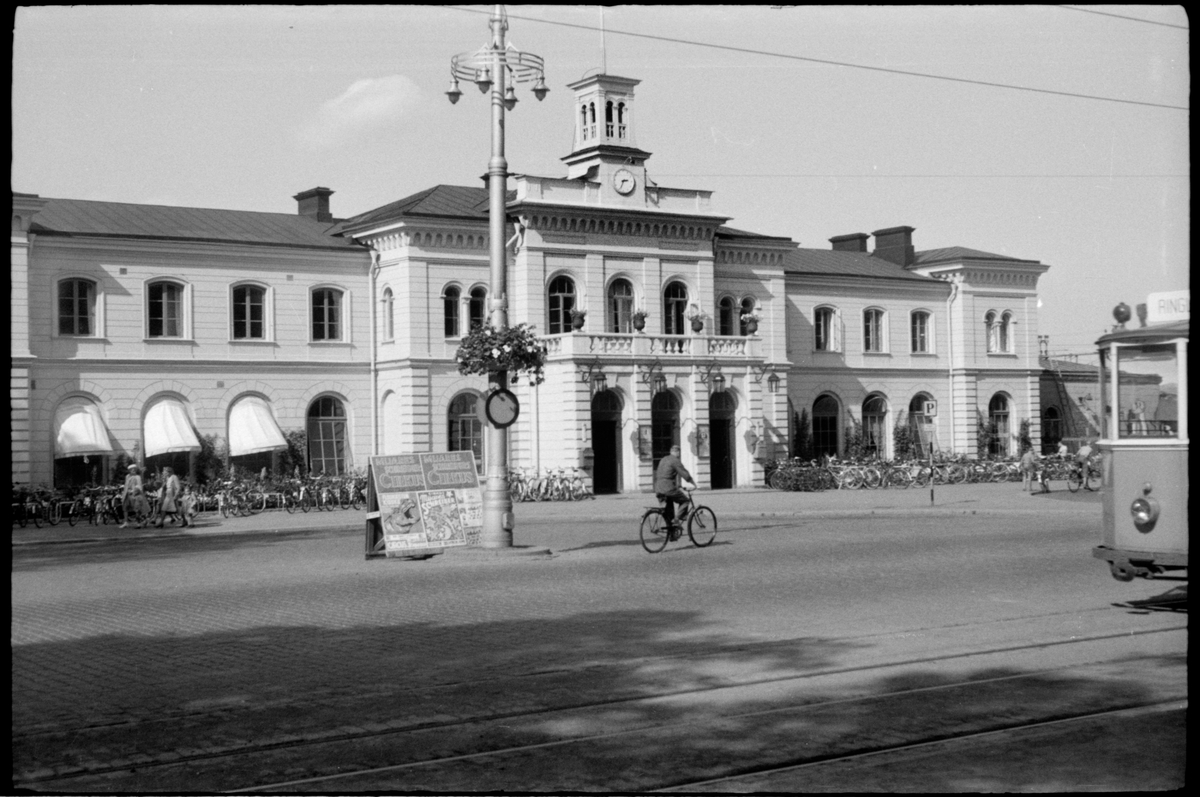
(1028, 466)
(171, 493)
(133, 497)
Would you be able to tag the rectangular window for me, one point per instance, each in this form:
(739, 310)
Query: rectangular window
(165, 310)
(76, 307)
(249, 313)
(326, 315)
(873, 331)
(825, 329)
(920, 333)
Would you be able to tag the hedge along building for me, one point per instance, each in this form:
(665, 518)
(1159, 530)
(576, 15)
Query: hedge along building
(663, 324)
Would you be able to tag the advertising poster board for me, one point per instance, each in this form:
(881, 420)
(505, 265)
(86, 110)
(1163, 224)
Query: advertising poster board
(421, 504)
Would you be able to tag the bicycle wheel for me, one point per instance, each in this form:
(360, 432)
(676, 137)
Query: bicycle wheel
(255, 502)
(653, 531)
(702, 526)
(900, 477)
(1074, 480)
(73, 514)
(356, 501)
(53, 513)
(289, 502)
(1094, 479)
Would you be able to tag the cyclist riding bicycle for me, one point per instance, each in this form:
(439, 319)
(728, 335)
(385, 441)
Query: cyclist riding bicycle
(666, 487)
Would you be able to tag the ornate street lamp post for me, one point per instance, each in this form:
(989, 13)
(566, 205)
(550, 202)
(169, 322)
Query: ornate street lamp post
(496, 67)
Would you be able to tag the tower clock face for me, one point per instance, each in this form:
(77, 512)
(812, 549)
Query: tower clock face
(624, 181)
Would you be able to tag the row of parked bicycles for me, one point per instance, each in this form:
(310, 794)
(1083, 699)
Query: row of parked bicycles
(796, 474)
(528, 484)
(40, 506)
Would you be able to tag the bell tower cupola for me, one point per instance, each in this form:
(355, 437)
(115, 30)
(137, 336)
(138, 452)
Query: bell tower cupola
(605, 143)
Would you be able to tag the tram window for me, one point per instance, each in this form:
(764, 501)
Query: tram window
(1148, 391)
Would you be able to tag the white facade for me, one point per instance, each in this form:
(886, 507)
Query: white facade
(834, 327)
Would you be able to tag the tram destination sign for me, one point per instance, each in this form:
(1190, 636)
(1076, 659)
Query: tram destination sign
(423, 503)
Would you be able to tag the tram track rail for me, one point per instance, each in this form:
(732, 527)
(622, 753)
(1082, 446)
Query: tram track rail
(434, 749)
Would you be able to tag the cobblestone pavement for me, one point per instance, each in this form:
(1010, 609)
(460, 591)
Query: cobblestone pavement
(260, 632)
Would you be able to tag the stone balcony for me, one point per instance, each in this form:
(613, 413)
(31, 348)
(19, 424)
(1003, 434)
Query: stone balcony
(638, 346)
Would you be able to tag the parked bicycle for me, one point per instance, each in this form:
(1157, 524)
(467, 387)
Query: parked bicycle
(701, 525)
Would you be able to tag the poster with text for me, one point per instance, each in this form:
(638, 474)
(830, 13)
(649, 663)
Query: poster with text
(427, 501)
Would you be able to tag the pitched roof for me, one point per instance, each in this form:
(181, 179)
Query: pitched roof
(441, 201)
(842, 263)
(725, 231)
(955, 253)
(125, 220)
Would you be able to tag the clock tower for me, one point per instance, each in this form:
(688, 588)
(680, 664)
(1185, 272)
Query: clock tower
(605, 149)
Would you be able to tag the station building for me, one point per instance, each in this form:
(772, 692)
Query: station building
(138, 329)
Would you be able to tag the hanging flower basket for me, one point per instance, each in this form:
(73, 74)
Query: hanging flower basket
(516, 350)
(696, 316)
(751, 322)
(577, 318)
(639, 320)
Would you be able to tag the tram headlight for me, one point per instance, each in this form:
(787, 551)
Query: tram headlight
(1145, 511)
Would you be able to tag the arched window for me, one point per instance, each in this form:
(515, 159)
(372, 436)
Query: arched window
(450, 300)
(327, 437)
(326, 314)
(164, 310)
(873, 330)
(620, 120)
(920, 424)
(477, 307)
(465, 430)
(620, 306)
(249, 312)
(998, 427)
(389, 314)
(992, 332)
(875, 426)
(825, 426)
(560, 302)
(747, 307)
(1005, 335)
(825, 329)
(675, 299)
(608, 119)
(725, 313)
(920, 332)
(76, 307)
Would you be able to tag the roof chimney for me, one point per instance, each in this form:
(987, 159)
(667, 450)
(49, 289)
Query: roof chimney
(854, 242)
(895, 244)
(314, 203)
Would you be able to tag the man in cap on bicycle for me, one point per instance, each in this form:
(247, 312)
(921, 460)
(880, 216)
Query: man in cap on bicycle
(666, 487)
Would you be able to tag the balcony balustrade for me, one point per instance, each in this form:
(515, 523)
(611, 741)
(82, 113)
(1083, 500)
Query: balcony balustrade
(634, 346)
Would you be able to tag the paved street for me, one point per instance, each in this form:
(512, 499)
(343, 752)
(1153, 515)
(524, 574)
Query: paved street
(271, 649)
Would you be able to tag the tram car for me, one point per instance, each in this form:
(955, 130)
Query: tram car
(1144, 448)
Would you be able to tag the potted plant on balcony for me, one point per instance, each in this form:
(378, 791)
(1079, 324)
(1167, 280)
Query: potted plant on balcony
(751, 321)
(639, 320)
(515, 350)
(696, 316)
(577, 318)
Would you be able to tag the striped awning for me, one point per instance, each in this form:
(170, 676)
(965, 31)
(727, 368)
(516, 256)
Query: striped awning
(167, 429)
(79, 429)
(252, 428)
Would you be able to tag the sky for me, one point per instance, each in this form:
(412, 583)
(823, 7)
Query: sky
(807, 122)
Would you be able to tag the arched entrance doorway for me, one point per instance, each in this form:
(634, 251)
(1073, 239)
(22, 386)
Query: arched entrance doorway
(606, 449)
(875, 431)
(921, 425)
(721, 410)
(825, 426)
(664, 424)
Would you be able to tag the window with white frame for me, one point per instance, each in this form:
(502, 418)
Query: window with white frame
(992, 331)
(560, 300)
(620, 306)
(389, 314)
(743, 324)
(327, 322)
(726, 314)
(477, 307)
(165, 310)
(826, 328)
(76, 307)
(327, 437)
(874, 330)
(464, 429)
(675, 301)
(921, 332)
(249, 312)
(451, 297)
(1004, 338)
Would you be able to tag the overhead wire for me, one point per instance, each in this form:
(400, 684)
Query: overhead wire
(827, 62)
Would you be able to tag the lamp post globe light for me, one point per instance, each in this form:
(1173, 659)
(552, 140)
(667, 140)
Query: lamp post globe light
(494, 68)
